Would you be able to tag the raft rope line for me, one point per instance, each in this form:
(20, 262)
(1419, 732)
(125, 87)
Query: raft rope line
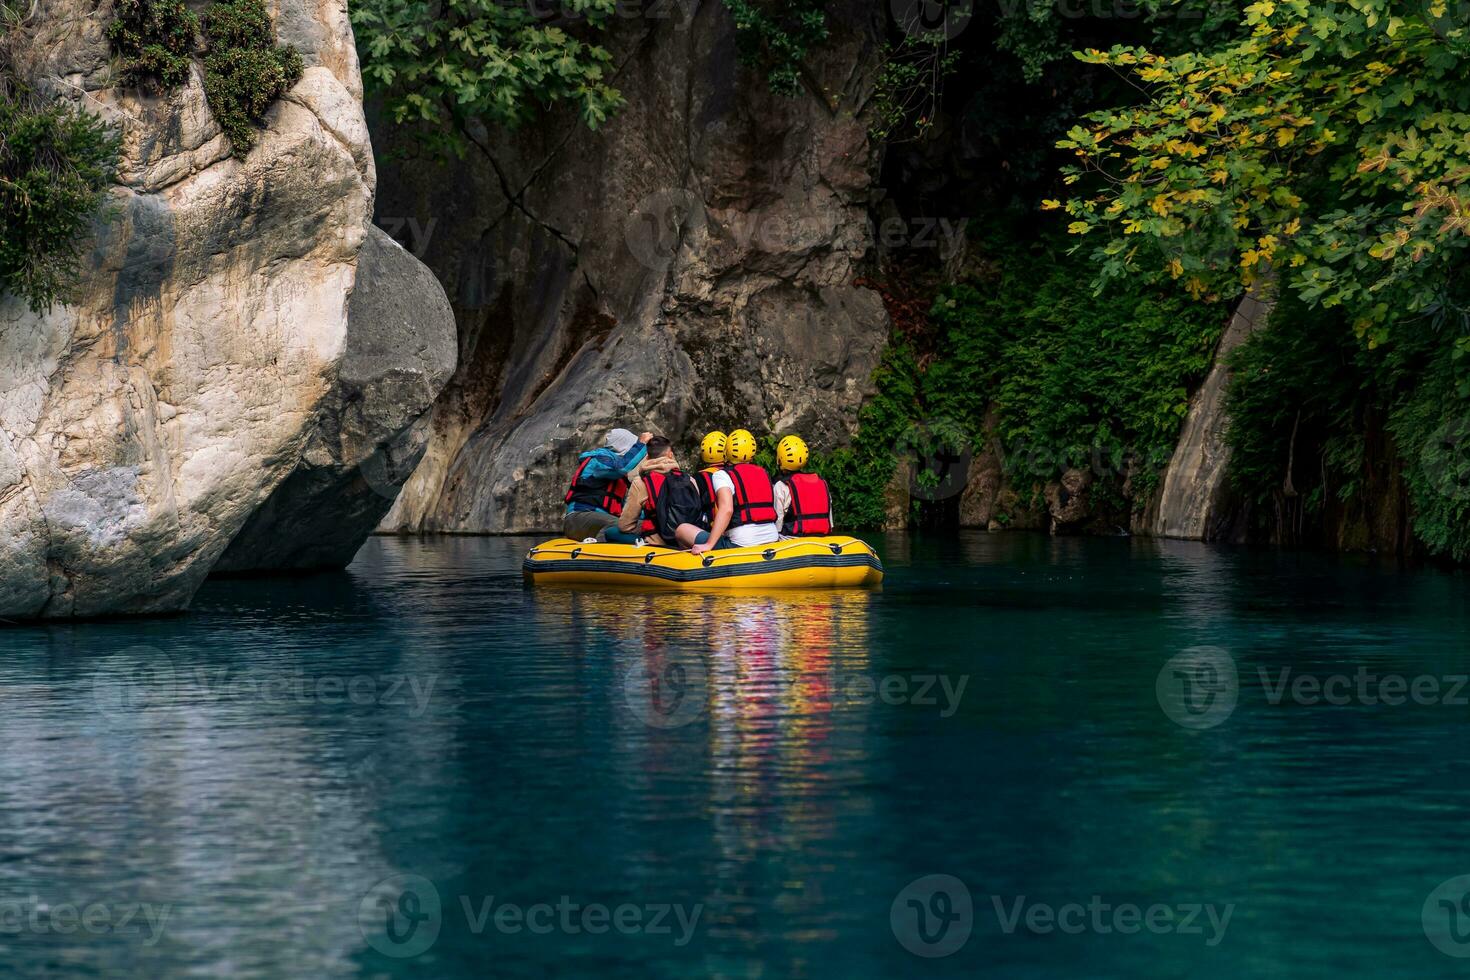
(708, 559)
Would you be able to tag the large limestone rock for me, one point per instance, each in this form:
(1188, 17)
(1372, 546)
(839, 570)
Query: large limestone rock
(688, 265)
(142, 423)
(1190, 502)
(372, 432)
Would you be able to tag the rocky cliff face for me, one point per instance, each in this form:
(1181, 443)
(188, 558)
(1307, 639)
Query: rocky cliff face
(689, 265)
(143, 422)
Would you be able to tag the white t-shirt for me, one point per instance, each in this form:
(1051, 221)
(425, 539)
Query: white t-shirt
(746, 535)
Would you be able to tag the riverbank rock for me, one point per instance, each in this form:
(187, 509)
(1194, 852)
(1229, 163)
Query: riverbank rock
(1066, 500)
(689, 265)
(1191, 500)
(143, 422)
(372, 433)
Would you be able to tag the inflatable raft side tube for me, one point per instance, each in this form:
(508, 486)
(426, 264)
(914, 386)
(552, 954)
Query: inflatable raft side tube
(614, 567)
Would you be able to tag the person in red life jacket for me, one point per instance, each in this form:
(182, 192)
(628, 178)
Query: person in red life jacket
(745, 500)
(712, 455)
(803, 500)
(595, 498)
(635, 523)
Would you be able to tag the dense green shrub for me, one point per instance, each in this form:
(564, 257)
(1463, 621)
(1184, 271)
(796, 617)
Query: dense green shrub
(1306, 396)
(244, 70)
(155, 39)
(56, 163)
(859, 474)
(774, 36)
(1075, 378)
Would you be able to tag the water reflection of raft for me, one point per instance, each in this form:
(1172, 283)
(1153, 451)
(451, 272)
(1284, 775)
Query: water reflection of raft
(803, 563)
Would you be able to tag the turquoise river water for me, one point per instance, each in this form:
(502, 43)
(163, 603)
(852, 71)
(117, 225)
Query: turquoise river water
(1022, 757)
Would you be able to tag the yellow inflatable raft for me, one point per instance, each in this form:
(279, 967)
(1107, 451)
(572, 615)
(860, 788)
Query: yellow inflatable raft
(801, 563)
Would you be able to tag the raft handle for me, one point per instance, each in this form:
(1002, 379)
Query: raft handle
(707, 560)
(648, 558)
(836, 548)
(576, 552)
(768, 554)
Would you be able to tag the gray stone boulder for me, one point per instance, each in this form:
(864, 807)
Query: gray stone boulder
(371, 435)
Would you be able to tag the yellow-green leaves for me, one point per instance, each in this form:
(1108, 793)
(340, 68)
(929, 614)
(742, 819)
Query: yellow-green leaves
(1331, 147)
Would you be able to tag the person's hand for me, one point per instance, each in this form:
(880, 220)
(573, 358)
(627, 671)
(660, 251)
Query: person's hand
(699, 549)
(645, 437)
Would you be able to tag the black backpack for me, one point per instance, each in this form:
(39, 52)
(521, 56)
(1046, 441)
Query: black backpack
(679, 502)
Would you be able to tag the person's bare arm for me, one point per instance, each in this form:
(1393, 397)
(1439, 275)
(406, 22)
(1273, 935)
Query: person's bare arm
(724, 510)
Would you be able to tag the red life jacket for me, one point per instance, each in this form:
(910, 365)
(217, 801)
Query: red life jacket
(655, 483)
(810, 513)
(606, 495)
(707, 490)
(755, 496)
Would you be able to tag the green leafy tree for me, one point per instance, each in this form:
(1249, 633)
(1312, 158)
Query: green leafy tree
(1329, 145)
(444, 63)
(56, 163)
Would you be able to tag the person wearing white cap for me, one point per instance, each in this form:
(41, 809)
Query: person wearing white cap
(595, 498)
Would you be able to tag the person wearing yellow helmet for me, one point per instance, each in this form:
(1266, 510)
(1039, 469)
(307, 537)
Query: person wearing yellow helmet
(712, 455)
(745, 501)
(803, 499)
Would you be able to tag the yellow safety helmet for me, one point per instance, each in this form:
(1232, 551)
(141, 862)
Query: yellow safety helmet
(740, 447)
(712, 449)
(792, 453)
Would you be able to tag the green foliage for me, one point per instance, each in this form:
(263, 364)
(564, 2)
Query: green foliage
(1330, 147)
(244, 70)
(859, 474)
(775, 36)
(1307, 396)
(56, 163)
(155, 39)
(1075, 379)
(1299, 395)
(446, 63)
(910, 87)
